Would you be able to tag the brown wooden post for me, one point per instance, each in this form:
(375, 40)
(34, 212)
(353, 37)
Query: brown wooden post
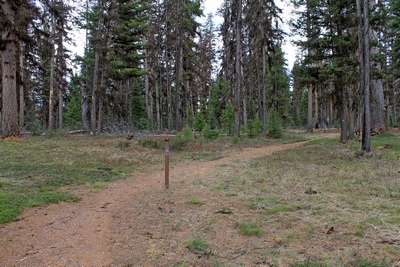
(167, 163)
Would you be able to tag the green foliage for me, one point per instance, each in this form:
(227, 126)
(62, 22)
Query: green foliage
(36, 128)
(197, 244)
(250, 229)
(73, 113)
(124, 144)
(219, 100)
(138, 105)
(12, 205)
(311, 263)
(210, 134)
(194, 201)
(183, 138)
(235, 139)
(150, 143)
(200, 122)
(228, 119)
(61, 132)
(189, 120)
(303, 108)
(273, 125)
(361, 262)
(278, 79)
(50, 133)
(125, 60)
(255, 128)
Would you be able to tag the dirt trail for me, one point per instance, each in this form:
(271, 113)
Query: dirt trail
(103, 227)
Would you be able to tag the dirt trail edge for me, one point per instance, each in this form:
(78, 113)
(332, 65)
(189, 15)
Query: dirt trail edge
(84, 233)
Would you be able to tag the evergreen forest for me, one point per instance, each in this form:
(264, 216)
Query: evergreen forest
(159, 66)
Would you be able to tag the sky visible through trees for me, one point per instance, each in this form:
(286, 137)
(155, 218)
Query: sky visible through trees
(211, 6)
(221, 65)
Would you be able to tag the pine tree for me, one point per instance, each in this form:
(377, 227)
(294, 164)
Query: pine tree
(15, 19)
(274, 126)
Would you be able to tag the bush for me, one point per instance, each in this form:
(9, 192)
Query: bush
(235, 139)
(50, 133)
(200, 122)
(36, 128)
(255, 128)
(210, 134)
(183, 138)
(228, 119)
(274, 125)
(150, 143)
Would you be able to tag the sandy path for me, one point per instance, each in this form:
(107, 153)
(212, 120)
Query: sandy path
(84, 233)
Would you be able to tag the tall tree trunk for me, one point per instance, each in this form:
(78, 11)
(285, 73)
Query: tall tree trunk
(169, 93)
(102, 93)
(158, 108)
(388, 110)
(352, 116)
(363, 33)
(85, 105)
(52, 77)
(343, 115)
(316, 109)
(21, 86)
(9, 111)
(60, 54)
(60, 107)
(310, 125)
(394, 105)
(93, 109)
(94, 92)
(244, 111)
(378, 122)
(84, 86)
(148, 93)
(264, 90)
(238, 67)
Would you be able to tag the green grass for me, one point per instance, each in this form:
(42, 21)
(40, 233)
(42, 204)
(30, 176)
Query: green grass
(362, 262)
(33, 166)
(197, 244)
(357, 194)
(194, 201)
(311, 264)
(250, 229)
(37, 165)
(11, 206)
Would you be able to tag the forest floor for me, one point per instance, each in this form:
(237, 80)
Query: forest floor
(137, 222)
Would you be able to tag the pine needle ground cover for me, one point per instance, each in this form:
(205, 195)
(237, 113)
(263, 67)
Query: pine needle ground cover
(321, 204)
(43, 168)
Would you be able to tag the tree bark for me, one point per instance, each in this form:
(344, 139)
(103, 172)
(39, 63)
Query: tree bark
(52, 77)
(21, 86)
(93, 109)
(264, 91)
(238, 68)
(84, 87)
(148, 92)
(84, 105)
(158, 107)
(343, 116)
(102, 93)
(310, 125)
(378, 122)
(60, 53)
(316, 109)
(9, 113)
(365, 72)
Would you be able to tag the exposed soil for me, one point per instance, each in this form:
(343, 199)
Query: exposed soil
(136, 222)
